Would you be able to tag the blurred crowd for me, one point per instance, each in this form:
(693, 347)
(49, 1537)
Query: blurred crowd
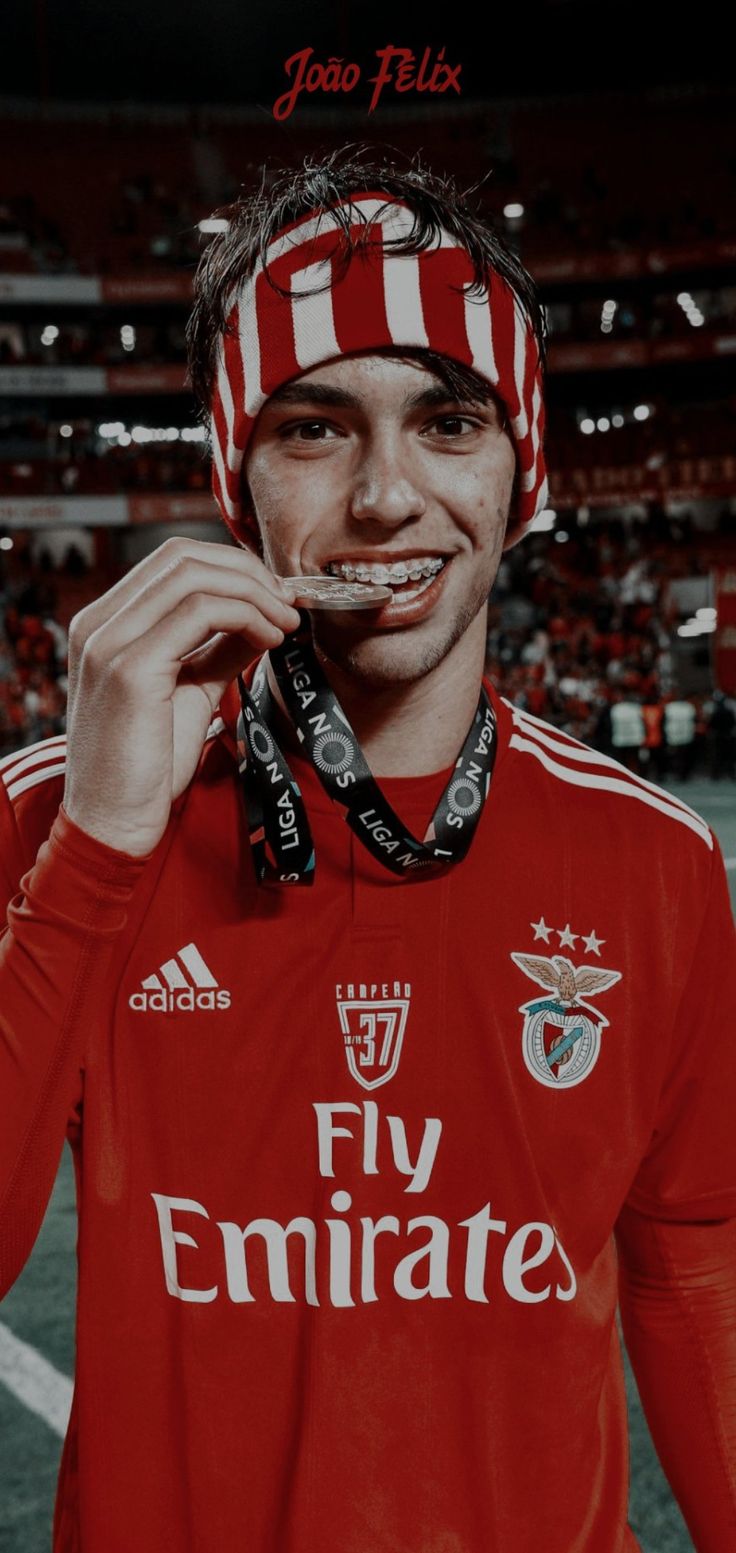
(102, 341)
(150, 217)
(33, 654)
(83, 464)
(581, 634)
(91, 342)
(64, 458)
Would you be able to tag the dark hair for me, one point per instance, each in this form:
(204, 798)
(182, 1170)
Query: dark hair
(254, 219)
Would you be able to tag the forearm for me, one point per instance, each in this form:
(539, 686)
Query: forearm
(54, 957)
(678, 1309)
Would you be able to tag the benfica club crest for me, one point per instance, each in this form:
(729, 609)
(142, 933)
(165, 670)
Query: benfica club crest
(561, 1038)
(373, 1024)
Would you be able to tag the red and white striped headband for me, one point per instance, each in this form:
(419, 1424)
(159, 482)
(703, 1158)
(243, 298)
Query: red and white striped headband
(380, 299)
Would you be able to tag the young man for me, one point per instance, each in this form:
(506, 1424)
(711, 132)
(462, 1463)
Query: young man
(366, 1076)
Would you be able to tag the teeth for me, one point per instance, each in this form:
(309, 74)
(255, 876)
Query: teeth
(398, 572)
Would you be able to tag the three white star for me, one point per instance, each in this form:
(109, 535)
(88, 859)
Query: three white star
(567, 937)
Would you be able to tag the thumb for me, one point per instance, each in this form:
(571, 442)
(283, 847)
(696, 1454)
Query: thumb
(214, 666)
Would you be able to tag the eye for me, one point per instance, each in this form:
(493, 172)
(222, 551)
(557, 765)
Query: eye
(307, 431)
(453, 425)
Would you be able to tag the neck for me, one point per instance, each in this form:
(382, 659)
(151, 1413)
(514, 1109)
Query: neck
(412, 729)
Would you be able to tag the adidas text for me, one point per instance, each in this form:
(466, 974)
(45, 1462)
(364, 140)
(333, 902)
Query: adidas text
(182, 1000)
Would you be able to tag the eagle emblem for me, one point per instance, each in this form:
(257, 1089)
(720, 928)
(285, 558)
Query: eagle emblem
(561, 1038)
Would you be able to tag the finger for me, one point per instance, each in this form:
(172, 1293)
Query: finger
(163, 595)
(151, 665)
(173, 555)
(214, 666)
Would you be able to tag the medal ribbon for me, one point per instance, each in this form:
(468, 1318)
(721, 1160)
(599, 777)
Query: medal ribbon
(278, 821)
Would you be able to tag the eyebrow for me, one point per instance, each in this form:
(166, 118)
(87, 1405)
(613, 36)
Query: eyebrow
(340, 398)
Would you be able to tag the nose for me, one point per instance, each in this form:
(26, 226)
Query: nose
(383, 489)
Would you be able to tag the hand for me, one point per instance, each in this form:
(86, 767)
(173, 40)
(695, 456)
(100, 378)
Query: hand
(148, 664)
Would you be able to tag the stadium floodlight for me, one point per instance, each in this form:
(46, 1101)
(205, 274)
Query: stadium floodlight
(603, 423)
(691, 309)
(694, 627)
(642, 412)
(213, 224)
(587, 426)
(562, 536)
(617, 419)
(66, 430)
(6, 542)
(607, 312)
(513, 211)
(50, 334)
(706, 612)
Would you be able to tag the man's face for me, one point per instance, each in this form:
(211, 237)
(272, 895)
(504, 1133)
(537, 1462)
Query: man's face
(367, 461)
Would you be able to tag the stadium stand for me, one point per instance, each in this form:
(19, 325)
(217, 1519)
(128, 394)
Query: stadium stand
(99, 232)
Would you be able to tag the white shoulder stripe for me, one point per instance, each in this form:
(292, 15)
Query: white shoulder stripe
(32, 779)
(44, 747)
(610, 784)
(549, 736)
(27, 760)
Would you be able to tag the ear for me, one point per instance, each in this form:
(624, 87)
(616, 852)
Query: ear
(245, 528)
(245, 532)
(241, 532)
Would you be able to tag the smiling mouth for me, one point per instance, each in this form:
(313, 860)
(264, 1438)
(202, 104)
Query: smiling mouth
(407, 578)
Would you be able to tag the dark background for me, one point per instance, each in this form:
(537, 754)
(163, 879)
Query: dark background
(232, 51)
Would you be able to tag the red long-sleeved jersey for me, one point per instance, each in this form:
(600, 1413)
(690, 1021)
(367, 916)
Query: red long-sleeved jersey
(352, 1163)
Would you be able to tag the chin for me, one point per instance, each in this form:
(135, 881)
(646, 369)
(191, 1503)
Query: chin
(378, 666)
(384, 659)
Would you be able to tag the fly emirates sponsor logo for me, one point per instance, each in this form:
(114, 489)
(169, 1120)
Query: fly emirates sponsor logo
(336, 1261)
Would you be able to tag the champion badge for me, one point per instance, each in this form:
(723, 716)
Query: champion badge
(561, 1039)
(372, 1020)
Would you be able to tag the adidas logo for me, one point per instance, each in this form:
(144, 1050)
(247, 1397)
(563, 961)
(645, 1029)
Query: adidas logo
(184, 983)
